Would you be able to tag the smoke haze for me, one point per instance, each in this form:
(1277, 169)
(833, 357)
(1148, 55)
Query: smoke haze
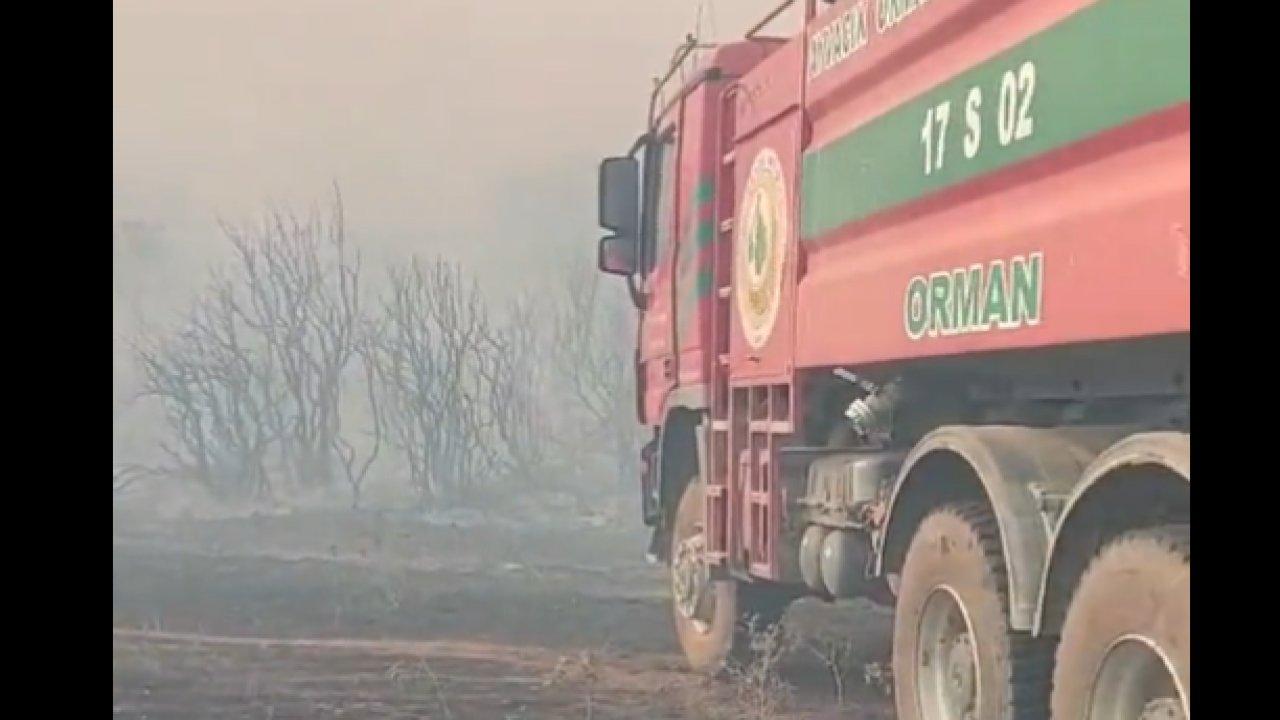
(465, 129)
(470, 128)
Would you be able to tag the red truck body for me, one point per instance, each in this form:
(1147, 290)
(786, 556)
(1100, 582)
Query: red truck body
(915, 295)
(908, 180)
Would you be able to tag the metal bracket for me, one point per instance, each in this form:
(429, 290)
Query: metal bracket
(1049, 503)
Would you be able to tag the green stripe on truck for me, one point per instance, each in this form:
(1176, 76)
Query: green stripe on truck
(1100, 68)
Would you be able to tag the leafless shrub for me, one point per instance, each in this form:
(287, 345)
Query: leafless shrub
(513, 365)
(125, 476)
(761, 693)
(414, 678)
(879, 675)
(252, 381)
(261, 385)
(301, 296)
(837, 655)
(355, 471)
(217, 391)
(582, 670)
(428, 363)
(592, 362)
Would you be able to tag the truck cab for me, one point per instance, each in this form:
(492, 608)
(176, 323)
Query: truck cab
(658, 201)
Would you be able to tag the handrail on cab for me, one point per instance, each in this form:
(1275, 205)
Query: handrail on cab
(677, 59)
(691, 43)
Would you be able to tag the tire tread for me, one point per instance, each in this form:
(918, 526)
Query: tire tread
(1030, 658)
(1147, 547)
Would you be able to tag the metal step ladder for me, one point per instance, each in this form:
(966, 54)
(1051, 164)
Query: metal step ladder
(721, 497)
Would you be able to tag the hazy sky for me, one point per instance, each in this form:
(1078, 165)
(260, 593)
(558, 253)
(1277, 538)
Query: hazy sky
(461, 127)
(466, 127)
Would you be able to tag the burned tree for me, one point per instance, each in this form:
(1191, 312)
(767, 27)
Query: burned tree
(355, 470)
(252, 383)
(218, 392)
(514, 368)
(593, 368)
(429, 363)
(262, 386)
(301, 297)
(126, 476)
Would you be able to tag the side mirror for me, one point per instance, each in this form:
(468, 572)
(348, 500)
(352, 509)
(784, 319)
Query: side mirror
(617, 255)
(620, 196)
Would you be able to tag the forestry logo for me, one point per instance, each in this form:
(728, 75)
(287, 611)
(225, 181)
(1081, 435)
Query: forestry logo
(761, 248)
(999, 295)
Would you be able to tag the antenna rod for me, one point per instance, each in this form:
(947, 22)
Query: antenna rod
(769, 18)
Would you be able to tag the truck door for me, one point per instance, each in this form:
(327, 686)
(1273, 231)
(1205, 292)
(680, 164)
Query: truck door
(657, 347)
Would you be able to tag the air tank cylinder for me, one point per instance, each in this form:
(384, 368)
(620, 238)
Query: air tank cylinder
(811, 558)
(843, 563)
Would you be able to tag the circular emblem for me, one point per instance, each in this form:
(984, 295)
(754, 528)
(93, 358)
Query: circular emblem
(761, 248)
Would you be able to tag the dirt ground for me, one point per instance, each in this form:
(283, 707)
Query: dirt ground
(345, 615)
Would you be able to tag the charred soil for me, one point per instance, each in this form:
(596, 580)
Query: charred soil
(366, 615)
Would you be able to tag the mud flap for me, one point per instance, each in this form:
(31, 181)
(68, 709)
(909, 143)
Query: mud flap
(651, 502)
(650, 507)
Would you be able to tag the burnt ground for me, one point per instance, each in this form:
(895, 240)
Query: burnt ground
(344, 615)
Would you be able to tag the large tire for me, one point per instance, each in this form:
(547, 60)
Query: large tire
(954, 655)
(719, 630)
(1125, 651)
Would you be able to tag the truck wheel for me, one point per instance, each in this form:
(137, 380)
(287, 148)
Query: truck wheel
(714, 619)
(1125, 651)
(954, 656)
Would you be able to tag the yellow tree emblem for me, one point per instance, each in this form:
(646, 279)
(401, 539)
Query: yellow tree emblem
(758, 251)
(761, 247)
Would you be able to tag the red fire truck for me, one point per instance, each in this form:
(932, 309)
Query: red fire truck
(914, 296)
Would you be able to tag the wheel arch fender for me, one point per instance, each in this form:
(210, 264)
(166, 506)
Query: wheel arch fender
(678, 451)
(1154, 466)
(1012, 469)
(678, 454)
